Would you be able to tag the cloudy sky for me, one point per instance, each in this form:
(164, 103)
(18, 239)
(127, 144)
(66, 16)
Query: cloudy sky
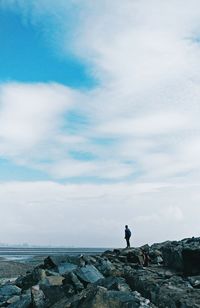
(99, 121)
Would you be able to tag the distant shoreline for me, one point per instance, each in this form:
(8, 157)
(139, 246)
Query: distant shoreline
(27, 253)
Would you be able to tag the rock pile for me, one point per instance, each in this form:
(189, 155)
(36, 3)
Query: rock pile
(170, 277)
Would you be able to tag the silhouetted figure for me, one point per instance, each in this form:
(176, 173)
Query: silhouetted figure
(127, 236)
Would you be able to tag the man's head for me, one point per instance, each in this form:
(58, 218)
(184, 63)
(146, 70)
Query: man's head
(126, 226)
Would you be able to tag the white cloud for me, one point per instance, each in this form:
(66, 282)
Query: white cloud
(145, 55)
(95, 215)
(156, 124)
(31, 114)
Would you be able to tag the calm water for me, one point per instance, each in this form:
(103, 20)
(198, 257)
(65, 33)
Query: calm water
(21, 253)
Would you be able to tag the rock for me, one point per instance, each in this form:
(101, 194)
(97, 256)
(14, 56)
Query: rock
(31, 279)
(24, 301)
(183, 256)
(86, 260)
(114, 283)
(135, 256)
(53, 262)
(173, 292)
(72, 279)
(51, 273)
(155, 256)
(13, 299)
(38, 297)
(88, 274)
(66, 267)
(122, 259)
(53, 281)
(114, 279)
(100, 297)
(191, 261)
(52, 293)
(111, 299)
(7, 291)
(145, 248)
(194, 281)
(52, 288)
(105, 267)
(172, 257)
(159, 260)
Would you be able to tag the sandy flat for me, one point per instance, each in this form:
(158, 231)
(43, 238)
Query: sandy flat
(10, 269)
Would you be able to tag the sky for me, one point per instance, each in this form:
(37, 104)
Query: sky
(99, 121)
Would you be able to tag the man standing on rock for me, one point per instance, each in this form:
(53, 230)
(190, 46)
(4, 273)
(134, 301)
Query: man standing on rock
(127, 236)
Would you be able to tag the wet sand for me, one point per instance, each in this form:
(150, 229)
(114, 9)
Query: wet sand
(12, 269)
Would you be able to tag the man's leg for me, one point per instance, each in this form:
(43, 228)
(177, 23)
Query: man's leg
(128, 242)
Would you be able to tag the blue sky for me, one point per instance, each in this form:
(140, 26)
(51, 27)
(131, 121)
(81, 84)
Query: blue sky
(26, 57)
(99, 117)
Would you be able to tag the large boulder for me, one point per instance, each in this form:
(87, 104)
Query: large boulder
(183, 256)
(172, 257)
(53, 262)
(106, 267)
(30, 279)
(132, 255)
(191, 261)
(71, 280)
(88, 274)
(66, 267)
(52, 288)
(135, 256)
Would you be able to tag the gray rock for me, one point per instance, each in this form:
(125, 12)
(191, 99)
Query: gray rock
(13, 299)
(52, 288)
(191, 260)
(88, 274)
(100, 297)
(172, 292)
(114, 283)
(7, 291)
(155, 256)
(116, 279)
(194, 281)
(38, 297)
(72, 279)
(183, 256)
(111, 299)
(24, 301)
(52, 280)
(105, 267)
(172, 257)
(135, 256)
(66, 267)
(30, 279)
(53, 262)
(52, 293)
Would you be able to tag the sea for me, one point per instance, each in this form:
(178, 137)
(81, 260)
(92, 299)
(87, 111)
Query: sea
(25, 253)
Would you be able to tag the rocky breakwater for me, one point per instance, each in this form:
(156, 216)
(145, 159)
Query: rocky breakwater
(161, 275)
